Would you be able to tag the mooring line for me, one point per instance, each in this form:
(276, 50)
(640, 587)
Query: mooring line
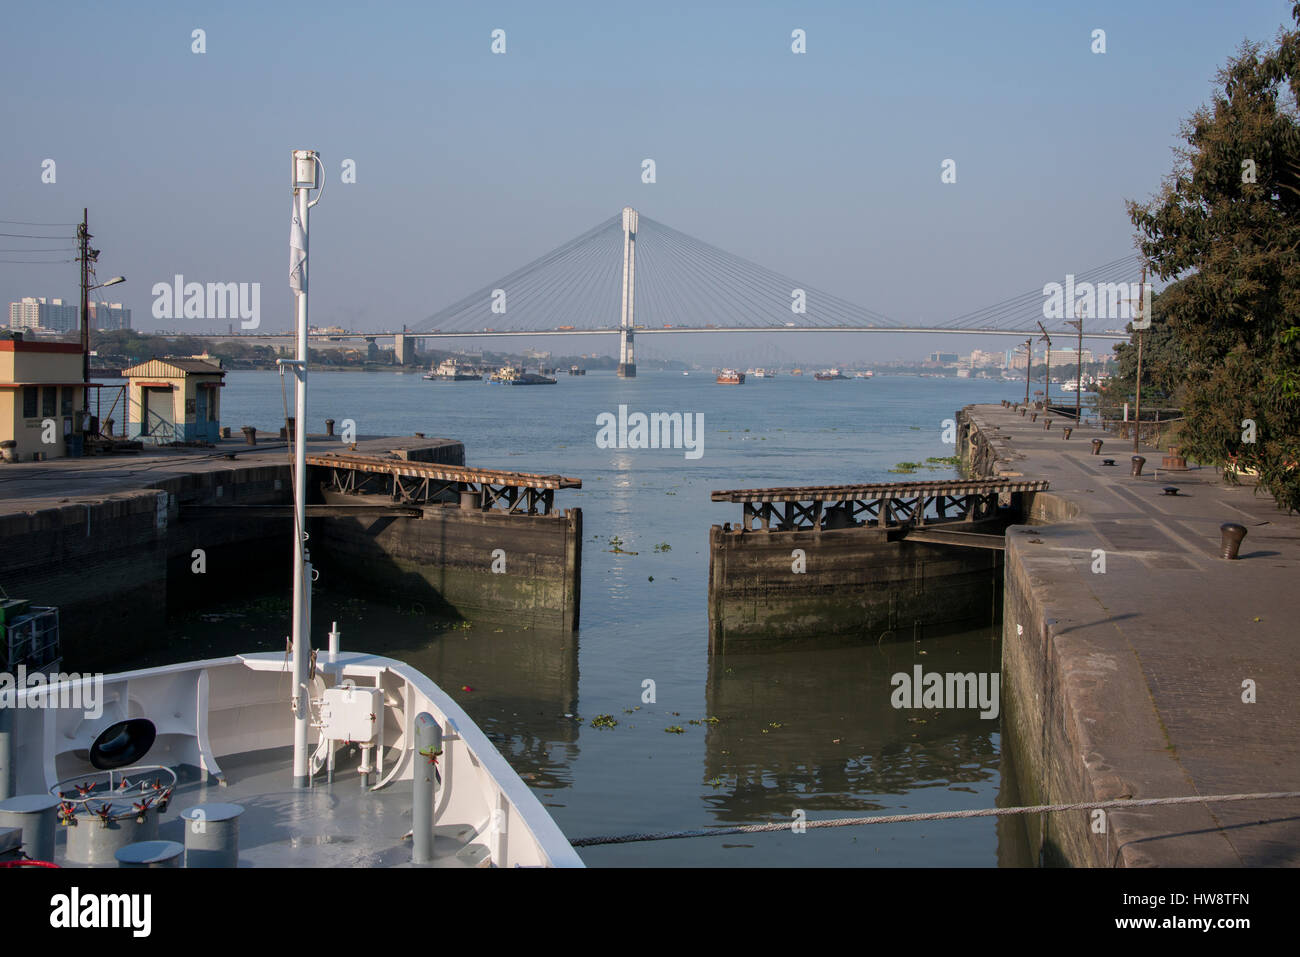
(1121, 803)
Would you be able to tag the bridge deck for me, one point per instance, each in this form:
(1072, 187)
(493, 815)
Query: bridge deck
(444, 473)
(893, 490)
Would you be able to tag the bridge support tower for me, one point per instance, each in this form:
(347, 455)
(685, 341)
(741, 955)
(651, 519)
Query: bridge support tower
(626, 355)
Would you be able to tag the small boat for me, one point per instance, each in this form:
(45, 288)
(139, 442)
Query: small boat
(863, 375)
(513, 375)
(764, 373)
(828, 374)
(796, 372)
(577, 370)
(450, 371)
(731, 377)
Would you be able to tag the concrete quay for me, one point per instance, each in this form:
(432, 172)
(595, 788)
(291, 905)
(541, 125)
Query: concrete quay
(1131, 649)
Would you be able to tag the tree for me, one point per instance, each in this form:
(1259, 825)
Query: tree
(1227, 220)
(1164, 364)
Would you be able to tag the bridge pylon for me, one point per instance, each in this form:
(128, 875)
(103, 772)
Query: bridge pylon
(626, 354)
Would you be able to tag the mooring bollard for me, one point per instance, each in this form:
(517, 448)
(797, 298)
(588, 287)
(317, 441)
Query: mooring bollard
(1138, 462)
(1107, 461)
(1047, 423)
(225, 431)
(1065, 432)
(1171, 490)
(329, 428)
(1230, 536)
(428, 745)
(250, 435)
(1096, 446)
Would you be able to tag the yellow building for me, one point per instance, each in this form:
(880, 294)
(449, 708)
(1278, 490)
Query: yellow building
(40, 399)
(174, 400)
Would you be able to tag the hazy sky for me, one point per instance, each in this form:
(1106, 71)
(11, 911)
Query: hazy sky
(824, 166)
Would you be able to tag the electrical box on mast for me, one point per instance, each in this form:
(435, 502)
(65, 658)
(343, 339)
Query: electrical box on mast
(305, 169)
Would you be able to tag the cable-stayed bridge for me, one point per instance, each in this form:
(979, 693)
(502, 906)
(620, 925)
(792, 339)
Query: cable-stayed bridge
(631, 275)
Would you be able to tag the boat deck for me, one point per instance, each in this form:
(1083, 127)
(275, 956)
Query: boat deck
(329, 825)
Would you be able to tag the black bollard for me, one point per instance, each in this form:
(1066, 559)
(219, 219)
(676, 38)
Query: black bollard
(1066, 432)
(329, 428)
(1138, 462)
(1096, 446)
(1230, 536)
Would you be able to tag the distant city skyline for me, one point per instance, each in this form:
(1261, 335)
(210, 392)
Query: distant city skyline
(828, 166)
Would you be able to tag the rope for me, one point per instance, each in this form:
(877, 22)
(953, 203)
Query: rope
(934, 816)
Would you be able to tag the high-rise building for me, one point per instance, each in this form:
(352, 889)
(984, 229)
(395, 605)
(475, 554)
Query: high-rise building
(106, 316)
(946, 358)
(52, 315)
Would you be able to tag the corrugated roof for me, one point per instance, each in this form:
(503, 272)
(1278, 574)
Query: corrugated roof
(156, 367)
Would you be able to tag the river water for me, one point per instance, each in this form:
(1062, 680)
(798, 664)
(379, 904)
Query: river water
(762, 737)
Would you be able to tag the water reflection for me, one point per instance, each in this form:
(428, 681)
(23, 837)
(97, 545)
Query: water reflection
(817, 730)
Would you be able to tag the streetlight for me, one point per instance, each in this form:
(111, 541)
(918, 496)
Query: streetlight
(1078, 355)
(85, 329)
(1029, 363)
(1047, 378)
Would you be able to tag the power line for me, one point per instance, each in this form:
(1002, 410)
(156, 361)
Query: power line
(19, 222)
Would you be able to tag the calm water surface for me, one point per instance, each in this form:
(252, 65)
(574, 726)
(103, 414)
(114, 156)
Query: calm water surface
(810, 730)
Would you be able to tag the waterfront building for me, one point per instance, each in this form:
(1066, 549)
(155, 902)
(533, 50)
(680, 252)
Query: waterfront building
(174, 400)
(41, 390)
(52, 315)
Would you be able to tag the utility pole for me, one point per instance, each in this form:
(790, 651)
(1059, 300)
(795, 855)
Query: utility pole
(1137, 422)
(86, 257)
(1029, 364)
(1047, 377)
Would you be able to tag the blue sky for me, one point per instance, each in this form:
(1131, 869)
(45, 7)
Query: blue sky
(824, 166)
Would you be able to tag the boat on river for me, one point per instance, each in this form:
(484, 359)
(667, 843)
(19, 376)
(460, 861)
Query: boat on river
(514, 375)
(451, 371)
(828, 374)
(731, 377)
(302, 758)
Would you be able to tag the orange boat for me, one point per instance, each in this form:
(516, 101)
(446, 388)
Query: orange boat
(731, 377)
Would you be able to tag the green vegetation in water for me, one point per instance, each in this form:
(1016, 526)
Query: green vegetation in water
(663, 547)
(675, 729)
(942, 461)
(905, 467)
(616, 546)
(603, 721)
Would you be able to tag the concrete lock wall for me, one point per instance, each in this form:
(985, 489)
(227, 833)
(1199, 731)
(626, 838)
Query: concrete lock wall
(104, 565)
(1037, 730)
(446, 560)
(856, 586)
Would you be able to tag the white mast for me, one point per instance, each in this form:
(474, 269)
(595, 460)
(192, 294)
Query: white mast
(307, 174)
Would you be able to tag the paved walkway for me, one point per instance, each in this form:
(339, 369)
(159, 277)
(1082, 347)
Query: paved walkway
(1154, 652)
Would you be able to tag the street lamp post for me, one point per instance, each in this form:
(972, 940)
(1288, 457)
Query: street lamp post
(1029, 364)
(1047, 377)
(1078, 379)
